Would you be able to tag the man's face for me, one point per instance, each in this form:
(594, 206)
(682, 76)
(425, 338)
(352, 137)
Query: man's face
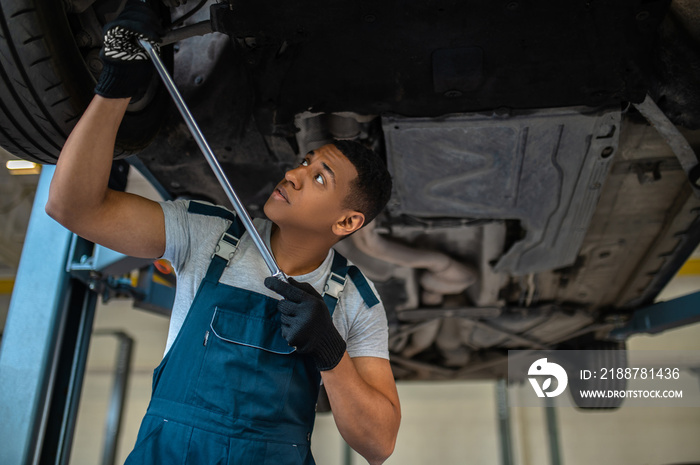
(311, 196)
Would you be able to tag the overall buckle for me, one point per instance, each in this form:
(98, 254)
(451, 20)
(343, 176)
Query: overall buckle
(334, 286)
(226, 248)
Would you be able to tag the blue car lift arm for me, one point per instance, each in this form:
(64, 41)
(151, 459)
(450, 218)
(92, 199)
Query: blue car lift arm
(661, 316)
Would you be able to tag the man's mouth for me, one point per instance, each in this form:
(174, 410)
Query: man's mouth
(282, 193)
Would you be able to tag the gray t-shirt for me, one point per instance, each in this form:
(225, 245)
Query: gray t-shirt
(190, 240)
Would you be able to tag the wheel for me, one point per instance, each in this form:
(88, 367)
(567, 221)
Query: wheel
(48, 69)
(600, 355)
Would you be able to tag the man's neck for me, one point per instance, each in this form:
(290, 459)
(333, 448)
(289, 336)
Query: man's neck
(294, 253)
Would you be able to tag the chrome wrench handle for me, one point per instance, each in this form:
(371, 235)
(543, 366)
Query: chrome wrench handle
(213, 162)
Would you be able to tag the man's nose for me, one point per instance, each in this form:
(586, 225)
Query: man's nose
(293, 177)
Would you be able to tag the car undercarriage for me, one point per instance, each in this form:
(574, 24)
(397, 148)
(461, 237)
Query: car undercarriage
(542, 153)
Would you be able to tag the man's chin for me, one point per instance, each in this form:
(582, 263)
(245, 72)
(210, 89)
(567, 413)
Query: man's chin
(274, 213)
(268, 209)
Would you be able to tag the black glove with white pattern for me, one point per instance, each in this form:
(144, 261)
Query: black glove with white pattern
(127, 70)
(307, 323)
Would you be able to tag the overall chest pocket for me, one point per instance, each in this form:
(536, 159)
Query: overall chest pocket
(248, 366)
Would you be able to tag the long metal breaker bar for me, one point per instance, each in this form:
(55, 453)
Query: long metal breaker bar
(213, 162)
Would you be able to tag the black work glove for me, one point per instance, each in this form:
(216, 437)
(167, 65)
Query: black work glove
(127, 70)
(307, 323)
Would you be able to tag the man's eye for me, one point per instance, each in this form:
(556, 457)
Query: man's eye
(304, 162)
(319, 179)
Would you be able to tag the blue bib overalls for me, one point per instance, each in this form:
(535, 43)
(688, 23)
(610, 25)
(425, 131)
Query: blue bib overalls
(231, 390)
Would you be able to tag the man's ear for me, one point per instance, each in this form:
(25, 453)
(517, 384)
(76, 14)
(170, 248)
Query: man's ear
(349, 223)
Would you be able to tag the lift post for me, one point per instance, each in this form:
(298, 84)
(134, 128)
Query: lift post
(45, 340)
(48, 330)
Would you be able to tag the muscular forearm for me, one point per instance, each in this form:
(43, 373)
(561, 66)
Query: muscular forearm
(367, 419)
(79, 185)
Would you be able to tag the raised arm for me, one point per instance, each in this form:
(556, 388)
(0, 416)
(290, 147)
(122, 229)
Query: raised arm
(79, 197)
(80, 200)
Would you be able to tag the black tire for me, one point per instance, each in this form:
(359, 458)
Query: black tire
(45, 85)
(603, 354)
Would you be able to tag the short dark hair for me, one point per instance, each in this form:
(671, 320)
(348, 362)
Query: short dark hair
(371, 190)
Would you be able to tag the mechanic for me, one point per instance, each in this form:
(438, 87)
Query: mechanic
(241, 372)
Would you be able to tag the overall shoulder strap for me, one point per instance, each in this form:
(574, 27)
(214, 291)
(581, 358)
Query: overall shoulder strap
(236, 229)
(228, 243)
(335, 284)
(207, 209)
